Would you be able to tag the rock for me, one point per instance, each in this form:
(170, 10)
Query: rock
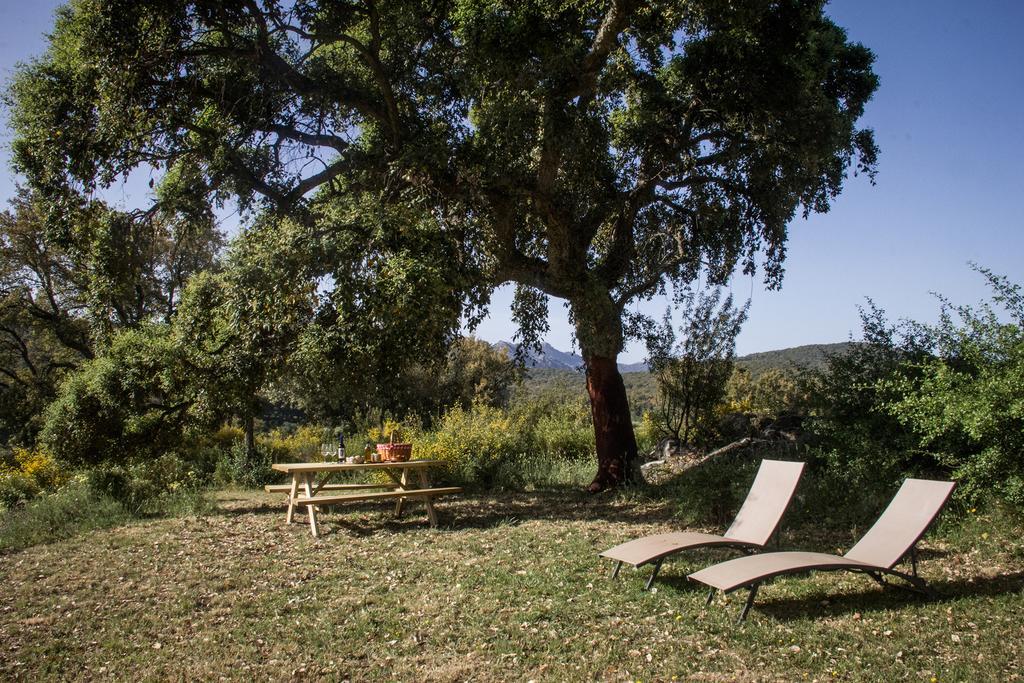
(666, 448)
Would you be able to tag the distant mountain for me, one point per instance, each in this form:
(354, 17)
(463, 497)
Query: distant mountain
(641, 386)
(551, 358)
(808, 356)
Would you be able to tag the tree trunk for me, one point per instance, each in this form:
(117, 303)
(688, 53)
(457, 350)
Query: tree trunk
(617, 459)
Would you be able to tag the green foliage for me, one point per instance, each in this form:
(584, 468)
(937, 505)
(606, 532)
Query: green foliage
(928, 399)
(64, 292)
(129, 403)
(475, 444)
(527, 444)
(472, 372)
(160, 486)
(965, 407)
(561, 426)
(692, 377)
(73, 510)
(854, 434)
(647, 433)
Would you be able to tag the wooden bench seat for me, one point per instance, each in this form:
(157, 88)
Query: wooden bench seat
(379, 495)
(286, 488)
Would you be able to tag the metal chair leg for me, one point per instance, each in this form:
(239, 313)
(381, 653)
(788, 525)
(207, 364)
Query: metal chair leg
(657, 568)
(711, 596)
(615, 572)
(749, 603)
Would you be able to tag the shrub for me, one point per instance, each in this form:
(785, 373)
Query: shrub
(561, 429)
(148, 487)
(647, 433)
(125, 404)
(476, 444)
(29, 473)
(854, 434)
(965, 407)
(74, 509)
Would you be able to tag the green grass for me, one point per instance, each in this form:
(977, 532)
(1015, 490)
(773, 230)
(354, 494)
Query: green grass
(509, 589)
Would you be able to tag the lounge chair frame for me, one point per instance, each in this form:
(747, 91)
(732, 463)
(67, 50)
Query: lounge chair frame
(938, 493)
(748, 533)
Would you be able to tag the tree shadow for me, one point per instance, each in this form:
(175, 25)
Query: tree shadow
(249, 507)
(875, 599)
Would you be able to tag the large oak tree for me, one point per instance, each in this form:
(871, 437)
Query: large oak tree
(594, 151)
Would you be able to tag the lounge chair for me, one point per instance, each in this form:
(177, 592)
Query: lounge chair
(754, 525)
(893, 536)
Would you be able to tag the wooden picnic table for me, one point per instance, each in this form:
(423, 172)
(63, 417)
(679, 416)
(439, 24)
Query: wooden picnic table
(310, 481)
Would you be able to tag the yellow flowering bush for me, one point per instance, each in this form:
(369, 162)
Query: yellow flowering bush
(647, 432)
(303, 444)
(27, 473)
(475, 444)
(383, 433)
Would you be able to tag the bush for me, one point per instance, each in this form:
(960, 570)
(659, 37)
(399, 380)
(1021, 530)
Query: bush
(74, 509)
(562, 428)
(545, 440)
(28, 473)
(647, 432)
(855, 437)
(965, 407)
(125, 404)
(476, 444)
(149, 487)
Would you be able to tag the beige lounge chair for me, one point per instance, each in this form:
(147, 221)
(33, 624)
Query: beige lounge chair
(754, 525)
(894, 535)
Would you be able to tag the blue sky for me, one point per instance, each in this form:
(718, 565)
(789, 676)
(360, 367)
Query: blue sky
(949, 118)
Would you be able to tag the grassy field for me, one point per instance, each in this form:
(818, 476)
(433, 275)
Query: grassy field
(509, 589)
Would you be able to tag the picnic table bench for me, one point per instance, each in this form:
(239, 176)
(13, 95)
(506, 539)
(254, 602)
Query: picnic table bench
(311, 479)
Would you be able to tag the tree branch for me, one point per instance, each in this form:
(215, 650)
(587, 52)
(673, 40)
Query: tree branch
(607, 39)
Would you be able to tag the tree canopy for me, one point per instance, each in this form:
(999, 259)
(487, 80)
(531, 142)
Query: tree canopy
(596, 152)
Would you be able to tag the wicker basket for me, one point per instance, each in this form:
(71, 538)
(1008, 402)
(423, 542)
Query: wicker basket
(394, 452)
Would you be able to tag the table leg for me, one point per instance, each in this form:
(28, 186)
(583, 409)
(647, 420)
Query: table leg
(403, 485)
(312, 508)
(291, 496)
(425, 483)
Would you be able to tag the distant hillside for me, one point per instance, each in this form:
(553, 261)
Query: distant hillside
(807, 357)
(641, 386)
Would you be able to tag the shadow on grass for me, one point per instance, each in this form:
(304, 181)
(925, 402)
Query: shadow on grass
(875, 599)
(485, 509)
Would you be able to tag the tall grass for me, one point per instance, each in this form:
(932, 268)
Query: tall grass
(73, 510)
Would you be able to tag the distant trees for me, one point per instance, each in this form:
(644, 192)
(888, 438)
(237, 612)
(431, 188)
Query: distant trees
(692, 375)
(775, 391)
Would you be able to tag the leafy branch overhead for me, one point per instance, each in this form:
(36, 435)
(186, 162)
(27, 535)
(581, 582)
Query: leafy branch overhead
(606, 145)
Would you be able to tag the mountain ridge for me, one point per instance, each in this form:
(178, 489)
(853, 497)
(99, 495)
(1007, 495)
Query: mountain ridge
(805, 355)
(551, 358)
